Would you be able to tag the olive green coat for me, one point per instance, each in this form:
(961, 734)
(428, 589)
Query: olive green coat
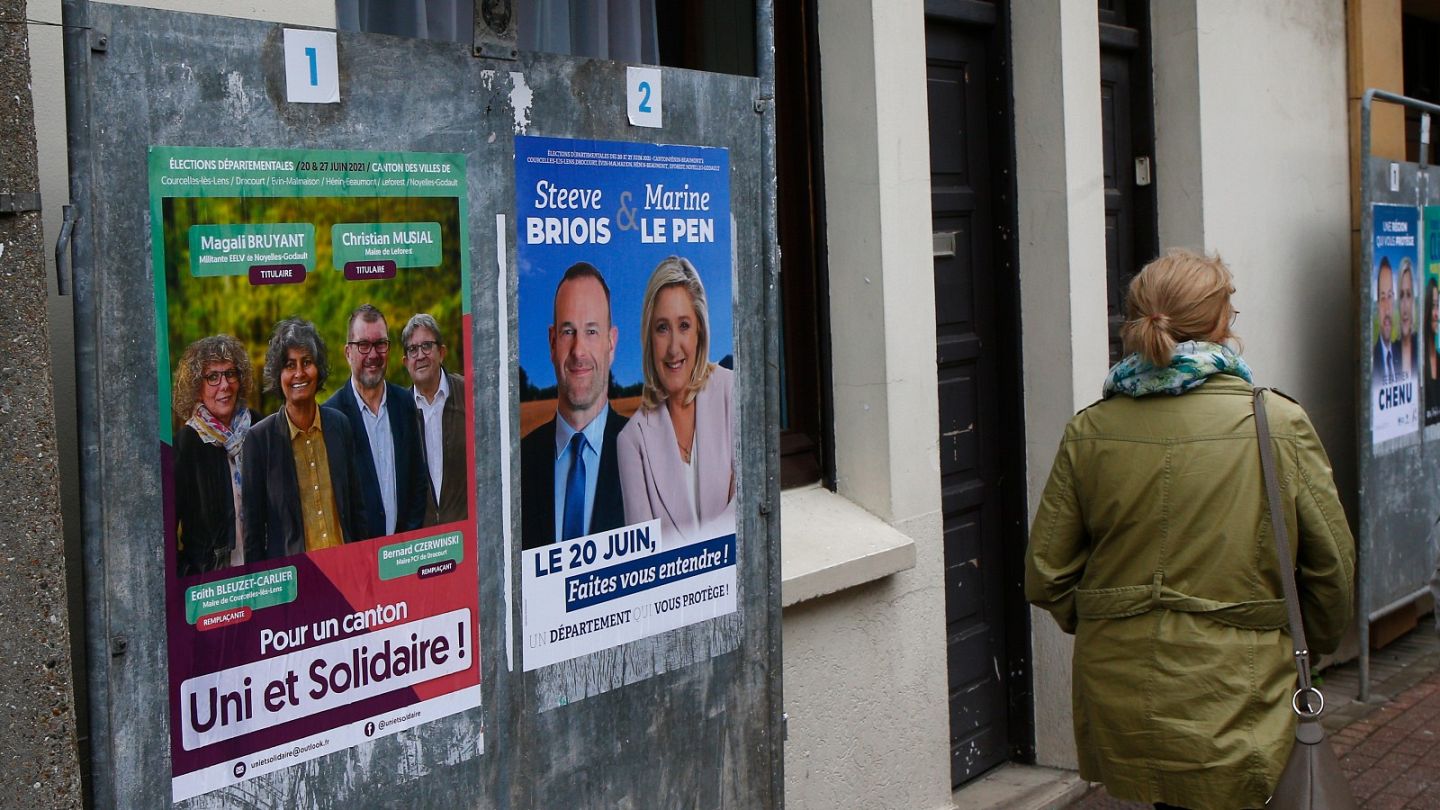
(1152, 545)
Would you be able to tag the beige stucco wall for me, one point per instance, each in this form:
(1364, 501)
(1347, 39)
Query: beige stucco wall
(1252, 160)
(1061, 207)
(865, 672)
(865, 690)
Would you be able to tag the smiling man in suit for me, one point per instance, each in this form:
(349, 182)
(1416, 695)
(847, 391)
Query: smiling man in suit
(387, 438)
(440, 403)
(569, 477)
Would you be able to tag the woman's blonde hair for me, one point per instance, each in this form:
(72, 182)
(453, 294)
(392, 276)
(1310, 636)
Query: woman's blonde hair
(675, 271)
(1183, 295)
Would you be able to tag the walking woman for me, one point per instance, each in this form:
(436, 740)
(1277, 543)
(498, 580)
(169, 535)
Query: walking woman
(1152, 546)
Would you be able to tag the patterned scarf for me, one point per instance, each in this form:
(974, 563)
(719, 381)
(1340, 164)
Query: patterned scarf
(211, 431)
(1192, 363)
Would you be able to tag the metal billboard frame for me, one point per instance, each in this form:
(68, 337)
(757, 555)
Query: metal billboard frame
(736, 695)
(1396, 517)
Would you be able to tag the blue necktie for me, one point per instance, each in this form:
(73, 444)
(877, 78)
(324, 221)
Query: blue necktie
(574, 525)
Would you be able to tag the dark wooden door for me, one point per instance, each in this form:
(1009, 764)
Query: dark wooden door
(976, 330)
(1127, 127)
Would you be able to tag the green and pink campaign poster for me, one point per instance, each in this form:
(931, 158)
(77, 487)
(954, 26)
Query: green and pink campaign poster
(1430, 336)
(315, 434)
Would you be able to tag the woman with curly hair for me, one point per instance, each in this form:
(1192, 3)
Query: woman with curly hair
(211, 385)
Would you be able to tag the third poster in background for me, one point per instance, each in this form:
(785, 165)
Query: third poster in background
(627, 414)
(1394, 348)
(1430, 347)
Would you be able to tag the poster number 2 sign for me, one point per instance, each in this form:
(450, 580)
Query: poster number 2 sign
(642, 92)
(312, 75)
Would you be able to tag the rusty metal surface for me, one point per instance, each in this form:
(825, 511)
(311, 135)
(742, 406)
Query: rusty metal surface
(687, 719)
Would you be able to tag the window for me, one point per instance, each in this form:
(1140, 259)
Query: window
(1128, 137)
(806, 438)
(1420, 59)
(716, 36)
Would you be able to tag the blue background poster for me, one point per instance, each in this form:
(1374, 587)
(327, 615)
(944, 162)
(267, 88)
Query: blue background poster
(1394, 341)
(650, 546)
(622, 207)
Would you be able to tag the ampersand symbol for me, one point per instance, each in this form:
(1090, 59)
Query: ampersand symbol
(625, 216)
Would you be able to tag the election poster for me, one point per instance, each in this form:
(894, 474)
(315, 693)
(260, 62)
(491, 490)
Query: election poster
(315, 441)
(1430, 345)
(627, 392)
(1395, 344)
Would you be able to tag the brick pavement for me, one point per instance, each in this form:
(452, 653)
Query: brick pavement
(1388, 746)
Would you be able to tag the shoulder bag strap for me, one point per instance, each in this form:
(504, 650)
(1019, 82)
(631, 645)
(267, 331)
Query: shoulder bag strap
(1282, 544)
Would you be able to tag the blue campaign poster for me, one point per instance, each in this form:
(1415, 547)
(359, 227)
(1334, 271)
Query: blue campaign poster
(627, 423)
(1394, 336)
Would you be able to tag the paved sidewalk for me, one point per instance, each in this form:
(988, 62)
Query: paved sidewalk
(1388, 746)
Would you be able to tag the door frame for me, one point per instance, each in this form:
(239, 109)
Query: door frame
(1010, 431)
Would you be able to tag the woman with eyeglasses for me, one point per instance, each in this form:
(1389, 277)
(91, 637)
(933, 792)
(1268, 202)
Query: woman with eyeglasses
(1153, 546)
(209, 397)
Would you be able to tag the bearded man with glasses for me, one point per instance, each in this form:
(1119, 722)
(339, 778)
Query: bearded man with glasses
(387, 449)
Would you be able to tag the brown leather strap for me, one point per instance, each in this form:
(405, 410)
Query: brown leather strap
(1282, 542)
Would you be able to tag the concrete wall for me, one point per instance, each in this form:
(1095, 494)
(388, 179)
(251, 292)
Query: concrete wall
(47, 82)
(1252, 161)
(38, 740)
(865, 672)
(1061, 206)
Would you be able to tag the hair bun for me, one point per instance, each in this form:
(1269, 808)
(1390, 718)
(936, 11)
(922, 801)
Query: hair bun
(1182, 295)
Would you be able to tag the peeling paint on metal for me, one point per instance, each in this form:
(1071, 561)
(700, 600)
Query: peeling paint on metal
(521, 97)
(237, 101)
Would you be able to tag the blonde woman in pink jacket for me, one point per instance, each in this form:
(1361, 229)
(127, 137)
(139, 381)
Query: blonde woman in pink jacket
(676, 454)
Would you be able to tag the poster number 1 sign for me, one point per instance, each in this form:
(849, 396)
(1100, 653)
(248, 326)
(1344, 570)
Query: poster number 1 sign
(312, 75)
